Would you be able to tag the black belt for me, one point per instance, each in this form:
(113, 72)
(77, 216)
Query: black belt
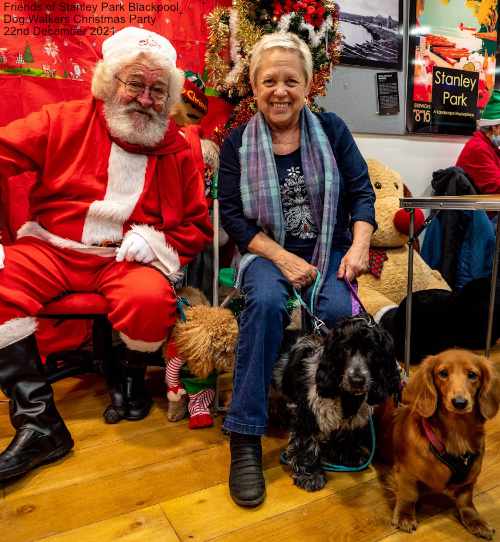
(107, 244)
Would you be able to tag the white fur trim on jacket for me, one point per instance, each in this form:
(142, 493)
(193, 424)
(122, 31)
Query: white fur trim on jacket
(33, 229)
(126, 178)
(140, 346)
(16, 329)
(168, 260)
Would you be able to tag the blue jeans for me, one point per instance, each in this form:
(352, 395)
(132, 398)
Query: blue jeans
(262, 324)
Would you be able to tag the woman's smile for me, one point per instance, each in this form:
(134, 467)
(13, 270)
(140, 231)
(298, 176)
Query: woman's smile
(280, 107)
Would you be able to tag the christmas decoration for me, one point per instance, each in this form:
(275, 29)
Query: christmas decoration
(232, 32)
(28, 56)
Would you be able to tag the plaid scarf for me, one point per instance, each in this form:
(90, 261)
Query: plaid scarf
(260, 187)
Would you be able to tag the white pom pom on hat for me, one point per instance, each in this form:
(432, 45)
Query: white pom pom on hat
(133, 40)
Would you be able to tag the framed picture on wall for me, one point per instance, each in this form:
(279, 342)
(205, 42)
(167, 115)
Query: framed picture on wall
(451, 64)
(372, 33)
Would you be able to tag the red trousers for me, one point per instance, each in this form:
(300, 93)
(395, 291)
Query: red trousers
(142, 304)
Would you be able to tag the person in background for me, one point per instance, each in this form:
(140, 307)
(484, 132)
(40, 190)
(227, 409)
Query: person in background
(118, 209)
(296, 197)
(480, 157)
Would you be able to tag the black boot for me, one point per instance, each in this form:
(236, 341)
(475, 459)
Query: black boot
(130, 399)
(41, 436)
(246, 479)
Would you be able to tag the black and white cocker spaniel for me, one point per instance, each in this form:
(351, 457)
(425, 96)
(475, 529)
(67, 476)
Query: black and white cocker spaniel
(330, 385)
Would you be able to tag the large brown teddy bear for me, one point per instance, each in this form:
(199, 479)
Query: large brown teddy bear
(385, 285)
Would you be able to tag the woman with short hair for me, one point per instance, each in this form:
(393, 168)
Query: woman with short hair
(292, 186)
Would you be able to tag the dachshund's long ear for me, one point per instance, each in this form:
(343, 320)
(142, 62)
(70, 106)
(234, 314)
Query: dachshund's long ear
(489, 393)
(329, 373)
(420, 392)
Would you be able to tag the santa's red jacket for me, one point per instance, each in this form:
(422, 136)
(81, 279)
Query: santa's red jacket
(92, 189)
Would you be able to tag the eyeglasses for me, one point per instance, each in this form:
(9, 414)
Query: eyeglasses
(136, 88)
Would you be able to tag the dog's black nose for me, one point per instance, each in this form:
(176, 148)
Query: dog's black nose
(459, 402)
(357, 380)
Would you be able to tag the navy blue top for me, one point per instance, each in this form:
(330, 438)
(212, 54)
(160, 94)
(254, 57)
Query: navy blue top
(356, 195)
(300, 230)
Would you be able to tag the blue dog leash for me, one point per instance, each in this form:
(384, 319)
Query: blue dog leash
(332, 467)
(318, 325)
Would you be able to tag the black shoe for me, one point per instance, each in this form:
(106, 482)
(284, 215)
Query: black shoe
(30, 449)
(41, 436)
(130, 399)
(246, 479)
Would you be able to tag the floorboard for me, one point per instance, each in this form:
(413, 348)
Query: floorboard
(159, 481)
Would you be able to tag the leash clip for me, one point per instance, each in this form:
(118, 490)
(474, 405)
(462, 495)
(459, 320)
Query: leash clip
(319, 327)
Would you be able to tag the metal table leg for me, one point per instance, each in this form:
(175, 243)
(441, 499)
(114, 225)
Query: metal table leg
(493, 289)
(409, 293)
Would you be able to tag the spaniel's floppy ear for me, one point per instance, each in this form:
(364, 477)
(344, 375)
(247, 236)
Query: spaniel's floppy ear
(489, 393)
(329, 373)
(420, 392)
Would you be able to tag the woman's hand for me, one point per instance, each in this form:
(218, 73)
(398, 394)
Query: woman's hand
(354, 263)
(296, 270)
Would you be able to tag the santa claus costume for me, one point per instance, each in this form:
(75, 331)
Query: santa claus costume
(94, 193)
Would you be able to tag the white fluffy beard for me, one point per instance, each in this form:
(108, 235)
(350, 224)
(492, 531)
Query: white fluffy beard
(135, 124)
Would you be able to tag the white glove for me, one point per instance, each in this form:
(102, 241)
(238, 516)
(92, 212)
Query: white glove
(135, 248)
(2, 257)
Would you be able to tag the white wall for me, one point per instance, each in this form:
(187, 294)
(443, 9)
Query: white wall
(414, 157)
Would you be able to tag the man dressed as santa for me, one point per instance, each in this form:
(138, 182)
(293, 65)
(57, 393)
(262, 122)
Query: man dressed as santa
(118, 209)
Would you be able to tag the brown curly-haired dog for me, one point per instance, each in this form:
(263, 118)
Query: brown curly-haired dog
(204, 340)
(436, 437)
(207, 339)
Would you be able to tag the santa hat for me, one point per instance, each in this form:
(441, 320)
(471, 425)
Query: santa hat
(194, 92)
(132, 41)
(491, 113)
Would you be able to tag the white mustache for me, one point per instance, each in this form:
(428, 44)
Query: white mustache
(151, 113)
(147, 131)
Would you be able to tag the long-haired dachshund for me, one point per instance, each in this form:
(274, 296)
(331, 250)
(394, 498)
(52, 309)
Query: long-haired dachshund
(330, 385)
(436, 437)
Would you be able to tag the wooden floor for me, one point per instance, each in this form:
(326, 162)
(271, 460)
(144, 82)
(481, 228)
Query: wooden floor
(159, 481)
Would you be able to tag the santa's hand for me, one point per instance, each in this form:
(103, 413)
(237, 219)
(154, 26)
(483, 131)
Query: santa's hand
(2, 257)
(135, 248)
